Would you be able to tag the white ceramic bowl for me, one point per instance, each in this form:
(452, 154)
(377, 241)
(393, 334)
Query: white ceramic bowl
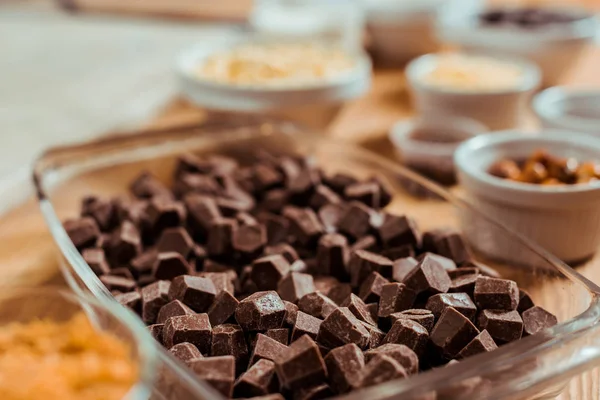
(247, 98)
(569, 109)
(555, 49)
(433, 158)
(502, 109)
(565, 219)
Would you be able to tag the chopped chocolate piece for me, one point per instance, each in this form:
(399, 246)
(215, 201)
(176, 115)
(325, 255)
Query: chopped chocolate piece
(133, 300)
(146, 280)
(122, 272)
(358, 308)
(250, 240)
(175, 240)
(173, 309)
(268, 271)
(362, 263)
(355, 222)
(230, 207)
(274, 200)
(452, 332)
(368, 243)
(291, 313)
(280, 335)
(322, 196)
(324, 283)
(223, 307)
(196, 292)
(223, 281)
(295, 285)
(373, 309)
(445, 262)
(399, 352)
(303, 186)
(536, 319)
(343, 366)
(429, 239)
(146, 186)
(143, 263)
(83, 232)
(370, 290)
(424, 317)
(165, 213)
(259, 380)
(461, 302)
(381, 368)
(245, 219)
(125, 244)
(332, 255)
(402, 267)
(453, 246)
(96, 259)
(220, 236)
(194, 329)
(305, 324)
(409, 333)
(385, 192)
(464, 284)
(266, 348)
(261, 311)
(319, 392)
(342, 327)
(114, 282)
(154, 296)
(330, 215)
(339, 292)
(103, 212)
(219, 372)
(304, 225)
(185, 351)
(496, 294)
(429, 277)
(170, 265)
(317, 304)
(480, 344)
(222, 165)
(364, 192)
(395, 253)
(503, 326)
(291, 169)
(301, 365)
(156, 330)
(265, 177)
(458, 272)
(395, 297)
(398, 231)
(525, 302)
(284, 249)
(202, 211)
(376, 335)
(339, 182)
(229, 340)
(196, 183)
(485, 270)
(192, 163)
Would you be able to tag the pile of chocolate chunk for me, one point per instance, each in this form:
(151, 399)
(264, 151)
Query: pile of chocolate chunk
(277, 280)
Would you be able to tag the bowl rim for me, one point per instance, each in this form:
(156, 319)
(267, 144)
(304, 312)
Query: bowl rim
(468, 147)
(531, 79)
(545, 105)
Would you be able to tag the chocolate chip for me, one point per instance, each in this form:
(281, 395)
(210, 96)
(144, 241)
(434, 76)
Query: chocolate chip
(402, 268)
(322, 196)
(330, 216)
(525, 301)
(268, 271)
(343, 366)
(362, 263)
(202, 211)
(83, 232)
(259, 380)
(395, 297)
(173, 309)
(266, 177)
(316, 304)
(339, 292)
(301, 365)
(195, 183)
(371, 288)
(101, 210)
(304, 225)
(376, 335)
(461, 302)
(452, 332)
(423, 317)
(480, 344)
(339, 182)
(409, 333)
(250, 240)
(355, 222)
(399, 352)
(381, 368)
(133, 300)
(175, 240)
(365, 192)
(114, 282)
(497, 294)
(295, 286)
(373, 309)
(277, 227)
(358, 308)
(394, 253)
(274, 200)
(185, 351)
(156, 330)
(196, 292)
(536, 319)
(464, 284)
(291, 313)
(146, 186)
(223, 308)
(280, 335)
(368, 243)
(165, 213)
(503, 326)
(195, 329)
(261, 311)
(463, 271)
(305, 324)
(143, 263)
(398, 231)
(170, 265)
(429, 277)
(223, 281)
(453, 246)
(342, 327)
(96, 259)
(220, 237)
(229, 340)
(154, 296)
(266, 348)
(332, 255)
(219, 372)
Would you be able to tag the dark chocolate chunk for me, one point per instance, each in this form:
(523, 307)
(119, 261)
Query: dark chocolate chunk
(461, 302)
(373, 309)
(83, 232)
(463, 271)
(170, 265)
(339, 292)
(185, 351)
(358, 308)
(295, 285)
(266, 348)
(445, 262)
(525, 301)
(368, 243)
(156, 330)
(302, 187)
(381, 368)
(229, 340)
(399, 352)
(305, 324)
(173, 309)
(480, 344)
(261, 311)
(274, 200)
(496, 294)
(536, 319)
(284, 249)
(342, 327)
(223, 281)
(376, 335)
(175, 240)
(114, 282)
(219, 372)
(133, 300)
(343, 366)
(154, 296)
(146, 186)
(220, 237)
(280, 335)
(202, 211)
(266, 177)
(365, 192)
(196, 183)
(268, 271)
(464, 284)
(301, 365)
(429, 277)
(164, 213)
(324, 283)
(339, 182)
(409, 333)
(195, 329)
(96, 259)
(291, 313)
(395, 297)
(101, 210)
(452, 332)
(318, 392)
(330, 215)
(370, 290)
(250, 240)
(223, 307)
(125, 244)
(244, 218)
(193, 164)
(398, 231)
(362, 263)
(394, 253)
(143, 263)
(322, 196)
(402, 267)
(424, 317)
(259, 380)
(453, 246)
(503, 326)
(317, 304)
(332, 255)
(355, 222)
(277, 228)
(196, 292)
(304, 225)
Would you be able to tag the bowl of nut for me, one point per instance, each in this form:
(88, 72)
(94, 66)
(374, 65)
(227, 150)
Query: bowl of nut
(545, 187)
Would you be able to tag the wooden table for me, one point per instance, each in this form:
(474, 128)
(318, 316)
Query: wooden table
(27, 254)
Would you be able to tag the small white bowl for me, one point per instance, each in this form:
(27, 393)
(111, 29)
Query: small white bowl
(257, 98)
(554, 48)
(569, 109)
(502, 109)
(434, 157)
(564, 219)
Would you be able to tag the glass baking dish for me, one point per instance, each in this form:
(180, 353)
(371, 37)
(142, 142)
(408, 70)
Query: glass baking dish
(538, 366)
